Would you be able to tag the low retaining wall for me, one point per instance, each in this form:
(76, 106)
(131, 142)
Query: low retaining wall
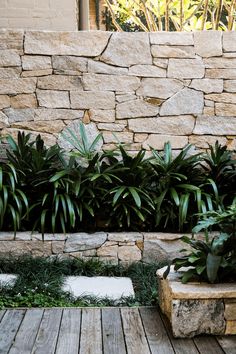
(120, 247)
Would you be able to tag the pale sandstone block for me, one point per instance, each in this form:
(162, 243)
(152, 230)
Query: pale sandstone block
(53, 99)
(83, 241)
(135, 109)
(82, 43)
(229, 41)
(203, 142)
(10, 73)
(129, 254)
(125, 97)
(4, 122)
(52, 127)
(187, 101)
(19, 115)
(161, 63)
(113, 127)
(147, 71)
(230, 85)
(92, 100)
(157, 142)
(9, 57)
(171, 38)
(159, 88)
(103, 82)
(118, 51)
(186, 68)
(100, 115)
(225, 109)
(230, 311)
(99, 67)
(221, 73)
(208, 103)
(215, 125)
(140, 138)
(60, 82)
(48, 139)
(223, 97)
(220, 63)
(179, 125)
(11, 39)
(207, 85)
(209, 111)
(35, 73)
(208, 43)
(108, 251)
(230, 327)
(161, 51)
(24, 101)
(118, 137)
(36, 62)
(58, 247)
(15, 86)
(69, 64)
(4, 101)
(57, 114)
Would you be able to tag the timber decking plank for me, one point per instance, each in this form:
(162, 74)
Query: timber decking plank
(180, 345)
(113, 336)
(208, 345)
(91, 332)
(27, 332)
(69, 333)
(46, 339)
(155, 331)
(228, 344)
(8, 328)
(135, 338)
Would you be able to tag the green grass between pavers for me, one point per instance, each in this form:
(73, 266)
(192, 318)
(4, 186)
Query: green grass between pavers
(40, 279)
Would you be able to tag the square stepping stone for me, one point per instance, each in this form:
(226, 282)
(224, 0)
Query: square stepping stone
(7, 280)
(101, 287)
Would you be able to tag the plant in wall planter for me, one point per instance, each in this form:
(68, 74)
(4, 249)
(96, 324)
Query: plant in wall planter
(203, 291)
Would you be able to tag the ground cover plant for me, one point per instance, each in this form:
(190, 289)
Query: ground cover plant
(46, 189)
(39, 281)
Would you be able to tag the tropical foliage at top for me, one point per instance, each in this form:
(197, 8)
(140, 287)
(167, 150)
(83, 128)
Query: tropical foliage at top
(172, 15)
(44, 189)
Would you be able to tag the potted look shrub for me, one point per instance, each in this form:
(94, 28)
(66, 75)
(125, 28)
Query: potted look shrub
(198, 292)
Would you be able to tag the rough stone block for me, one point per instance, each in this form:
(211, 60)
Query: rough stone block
(118, 137)
(186, 68)
(15, 86)
(125, 236)
(83, 241)
(53, 99)
(230, 85)
(103, 82)
(159, 88)
(225, 110)
(229, 41)
(19, 115)
(221, 73)
(135, 109)
(92, 100)
(11, 39)
(60, 82)
(162, 51)
(129, 254)
(99, 67)
(214, 125)
(69, 65)
(172, 38)
(207, 85)
(36, 62)
(213, 39)
(147, 71)
(157, 141)
(24, 101)
(4, 101)
(101, 115)
(10, 73)
(10, 58)
(52, 127)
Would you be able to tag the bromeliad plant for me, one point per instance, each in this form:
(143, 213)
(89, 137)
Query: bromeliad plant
(212, 260)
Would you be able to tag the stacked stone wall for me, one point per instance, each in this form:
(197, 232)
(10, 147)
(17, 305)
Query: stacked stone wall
(139, 88)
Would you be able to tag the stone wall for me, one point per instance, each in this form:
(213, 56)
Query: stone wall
(56, 15)
(139, 88)
(119, 247)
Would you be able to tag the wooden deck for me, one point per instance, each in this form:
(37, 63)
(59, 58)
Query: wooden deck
(97, 331)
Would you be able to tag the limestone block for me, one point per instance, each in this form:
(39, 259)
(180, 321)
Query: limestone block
(171, 38)
(4, 101)
(103, 82)
(221, 73)
(222, 98)
(60, 82)
(15, 86)
(118, 51)
(92, 100)
(159, 88)
(205, 316)
(157, 141)
(82, 43)
(203, 142)
(53, 99)
(82, 241)
(125, 236)
(129, 254)
(100, 115)
(125, 97)
(4, 122)
(99, 67)
(140, 138)
(147, 71)
(57, 114)
(230, 85)
(108, 251)
(19, 115)
(161, 63)
(24, 101)
(179, 125)
(162, 51)
(118, 137)
(186, 68)
(213, 39)
(11, 39)
(215, 125)
(135, 109)
(207, 85)
(52, 127)
(10, 73)
(91, 132)
(36, 62)
(9, 57)
(69, 65)
(187, 101)
(208, 111)
(225, 109)
(112, 127)
(229, 41)
(220, 63)
(36, 73)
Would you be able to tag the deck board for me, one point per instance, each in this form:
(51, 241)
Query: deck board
(100, 331)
